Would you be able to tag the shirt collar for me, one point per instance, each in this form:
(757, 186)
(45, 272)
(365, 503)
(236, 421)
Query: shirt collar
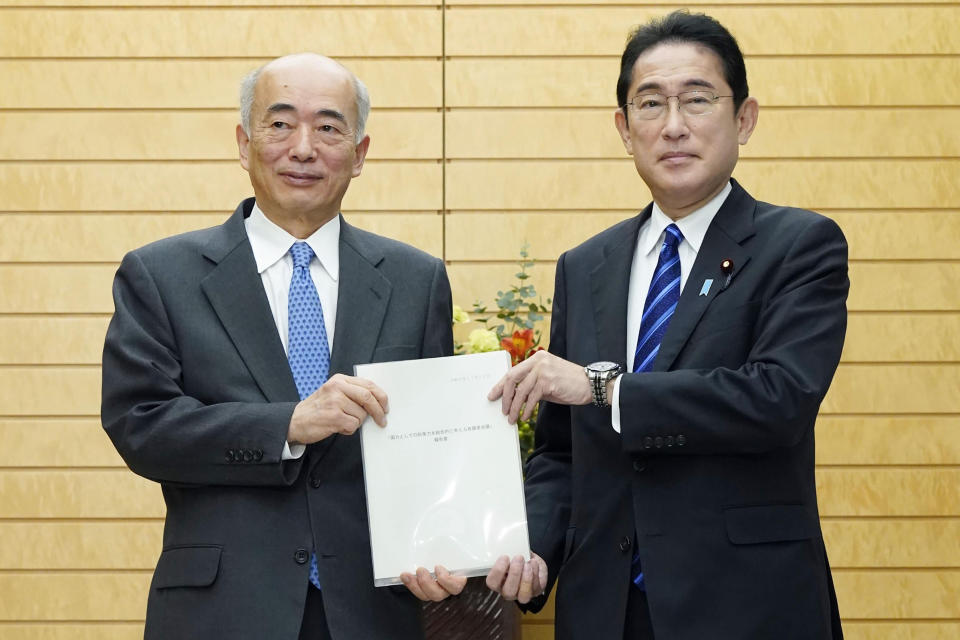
(693, 226)
(270, 242)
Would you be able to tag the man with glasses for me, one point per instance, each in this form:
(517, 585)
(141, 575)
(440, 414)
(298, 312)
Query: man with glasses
(671, 493)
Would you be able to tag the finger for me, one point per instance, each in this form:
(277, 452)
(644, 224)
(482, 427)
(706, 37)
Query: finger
(526, 584)
(531, 402)
(410, 581)
(497, 573)
(429, 585)
(541, 574)
(451, 584)
(512, 584)
(349, 423)
(497, 390)
(377, 392)
(366, 399)
(506, 398)
(522, 392)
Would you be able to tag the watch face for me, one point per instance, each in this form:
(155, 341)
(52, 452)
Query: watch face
(601, 367)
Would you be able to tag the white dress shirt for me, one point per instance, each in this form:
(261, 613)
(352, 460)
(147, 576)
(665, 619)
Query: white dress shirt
(693, 226)
(271, 251)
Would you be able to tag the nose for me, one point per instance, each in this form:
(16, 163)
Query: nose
(301, 145)
(675, 126)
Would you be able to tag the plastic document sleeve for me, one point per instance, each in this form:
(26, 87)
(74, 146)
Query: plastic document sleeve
(443, 478)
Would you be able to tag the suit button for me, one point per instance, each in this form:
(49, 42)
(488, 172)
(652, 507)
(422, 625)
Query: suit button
(300, 555)
(669, 441)
(681, 440)
(625, 544)
(315, 482)
(639, 465)
(247, 455)
(647, 442)
(658, 442)
(258, 455)
(229, 455)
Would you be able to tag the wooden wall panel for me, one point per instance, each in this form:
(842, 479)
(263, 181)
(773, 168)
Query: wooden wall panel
(56, 494)
(220, 32)
(812, 81)
(498, 235)
(189, 84)
(81, 545)
(888, 440)
(893, 543)
(56, 442)
(875, 286)
(187, 135)
(535, 31)
(74, 596)
(83, 237)
(201, 185)
(613, 184)
(99, 630)
(492, 124)
(815, 132)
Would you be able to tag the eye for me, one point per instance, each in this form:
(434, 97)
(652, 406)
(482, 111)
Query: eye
(698, 99)
(278, 124)
(649, 102)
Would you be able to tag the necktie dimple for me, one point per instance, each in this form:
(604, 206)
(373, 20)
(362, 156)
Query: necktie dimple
(308, 350)
(662, 299)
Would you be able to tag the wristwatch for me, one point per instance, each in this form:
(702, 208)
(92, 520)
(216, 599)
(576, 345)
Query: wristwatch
(599, 374)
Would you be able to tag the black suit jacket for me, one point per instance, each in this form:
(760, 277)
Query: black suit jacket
(198, 394)
(712, 480)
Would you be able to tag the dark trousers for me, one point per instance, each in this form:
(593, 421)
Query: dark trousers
(637, 625)
(314, 625)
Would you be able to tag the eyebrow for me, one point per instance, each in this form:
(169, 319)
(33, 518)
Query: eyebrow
(279, 107)
(656, 86)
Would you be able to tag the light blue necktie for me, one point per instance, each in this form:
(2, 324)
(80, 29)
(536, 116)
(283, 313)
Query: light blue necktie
(307, 347)
(662, 299)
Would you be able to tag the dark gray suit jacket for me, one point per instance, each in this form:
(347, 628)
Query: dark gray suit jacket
(198, 394)
(712, 479)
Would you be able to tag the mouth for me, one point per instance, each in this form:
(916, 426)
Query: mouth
(300, 178)
(676, 157)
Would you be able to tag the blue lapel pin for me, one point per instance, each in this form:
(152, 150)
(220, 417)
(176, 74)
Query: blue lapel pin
(705, 289)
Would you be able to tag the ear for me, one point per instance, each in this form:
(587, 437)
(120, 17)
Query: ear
(747, 119)
(243, 145)
(623, 128)
(360, 153)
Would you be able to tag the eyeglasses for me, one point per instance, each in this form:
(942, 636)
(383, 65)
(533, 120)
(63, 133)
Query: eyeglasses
(650, 106)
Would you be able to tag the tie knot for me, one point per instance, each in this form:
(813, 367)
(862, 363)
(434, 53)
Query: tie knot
(302, 254)
(672, 237)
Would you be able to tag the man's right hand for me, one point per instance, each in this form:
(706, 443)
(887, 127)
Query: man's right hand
(340, 405)
(517, 579)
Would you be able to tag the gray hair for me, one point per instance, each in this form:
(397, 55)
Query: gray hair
(249, 84)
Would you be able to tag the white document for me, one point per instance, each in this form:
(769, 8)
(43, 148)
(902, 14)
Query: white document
(443, 478)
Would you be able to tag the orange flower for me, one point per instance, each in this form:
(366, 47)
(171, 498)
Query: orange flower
(520, 345)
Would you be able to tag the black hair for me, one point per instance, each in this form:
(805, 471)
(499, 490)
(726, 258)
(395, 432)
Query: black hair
(695, 28)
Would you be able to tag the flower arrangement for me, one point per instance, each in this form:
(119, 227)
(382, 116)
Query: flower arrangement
(513, 327)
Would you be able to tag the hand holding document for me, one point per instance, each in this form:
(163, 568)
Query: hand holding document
(443, 478)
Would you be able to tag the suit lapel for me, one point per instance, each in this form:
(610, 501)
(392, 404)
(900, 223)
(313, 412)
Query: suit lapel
(610, 286)
(730, 227)
(361, 302)
(235, 291)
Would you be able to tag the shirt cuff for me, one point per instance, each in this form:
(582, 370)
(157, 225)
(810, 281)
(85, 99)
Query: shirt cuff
(292, 452)
(615, 405)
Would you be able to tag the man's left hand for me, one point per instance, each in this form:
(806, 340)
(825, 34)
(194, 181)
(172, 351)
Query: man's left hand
(426, 588)
(542, 376)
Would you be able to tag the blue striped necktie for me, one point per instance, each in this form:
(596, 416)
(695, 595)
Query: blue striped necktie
(308, 349)
(662, 299)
